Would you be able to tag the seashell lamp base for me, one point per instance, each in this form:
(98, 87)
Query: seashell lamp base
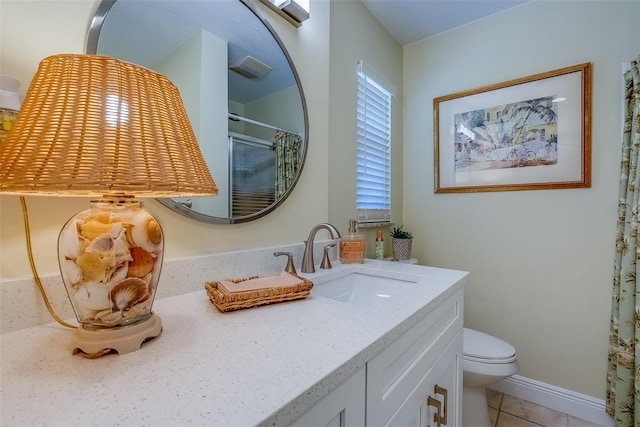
(110, 259)
(93, 343)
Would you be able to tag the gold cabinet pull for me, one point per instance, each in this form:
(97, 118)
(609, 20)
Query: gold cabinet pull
(443, 391)
(436, 404)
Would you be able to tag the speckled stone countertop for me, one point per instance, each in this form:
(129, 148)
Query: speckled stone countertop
(261, 366)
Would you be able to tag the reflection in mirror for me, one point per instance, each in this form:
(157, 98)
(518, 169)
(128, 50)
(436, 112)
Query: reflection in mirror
(239, 87)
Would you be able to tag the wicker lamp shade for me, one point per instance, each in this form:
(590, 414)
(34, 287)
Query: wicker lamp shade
(93, 125)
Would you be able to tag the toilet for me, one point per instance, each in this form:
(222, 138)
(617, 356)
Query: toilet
(486, 360)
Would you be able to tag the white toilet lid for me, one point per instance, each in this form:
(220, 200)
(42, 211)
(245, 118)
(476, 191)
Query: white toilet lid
(486, 348)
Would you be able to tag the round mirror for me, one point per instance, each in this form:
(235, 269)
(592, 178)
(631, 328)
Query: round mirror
(239, 87)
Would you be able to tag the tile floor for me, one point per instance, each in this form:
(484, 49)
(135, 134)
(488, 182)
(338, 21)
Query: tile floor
(507, 411)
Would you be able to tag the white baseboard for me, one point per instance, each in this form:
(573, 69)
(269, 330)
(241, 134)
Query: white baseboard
(575, 404)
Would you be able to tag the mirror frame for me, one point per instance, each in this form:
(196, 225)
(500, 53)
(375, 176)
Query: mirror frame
(91, 48)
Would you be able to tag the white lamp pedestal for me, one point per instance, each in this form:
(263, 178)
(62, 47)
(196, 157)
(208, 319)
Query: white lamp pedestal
(93, 343)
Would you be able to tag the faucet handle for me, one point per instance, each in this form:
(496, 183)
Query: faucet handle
(290, 268)
(326, 262)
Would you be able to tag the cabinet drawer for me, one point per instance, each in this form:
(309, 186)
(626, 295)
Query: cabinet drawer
(394, 373)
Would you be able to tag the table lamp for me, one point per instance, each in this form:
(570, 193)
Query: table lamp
(9, 103)
(94, 126)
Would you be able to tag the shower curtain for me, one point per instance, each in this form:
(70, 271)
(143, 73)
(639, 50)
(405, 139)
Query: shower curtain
(623, 374)
(287, 160)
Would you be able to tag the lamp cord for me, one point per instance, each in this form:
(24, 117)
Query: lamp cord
(36, 278)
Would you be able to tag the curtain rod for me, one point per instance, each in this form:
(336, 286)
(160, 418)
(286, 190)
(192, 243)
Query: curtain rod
(234, 116)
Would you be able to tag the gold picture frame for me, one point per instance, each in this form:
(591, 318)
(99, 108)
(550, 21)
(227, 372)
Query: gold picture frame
(530, 133)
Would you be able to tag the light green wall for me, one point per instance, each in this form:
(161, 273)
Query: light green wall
(540, 261)
(356, 35)
(32, 30)
(282, 107)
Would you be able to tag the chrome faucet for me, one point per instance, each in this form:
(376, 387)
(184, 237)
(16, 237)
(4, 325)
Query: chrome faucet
(307, 257)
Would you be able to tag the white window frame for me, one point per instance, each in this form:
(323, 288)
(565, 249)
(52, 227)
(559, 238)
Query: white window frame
(373, 152)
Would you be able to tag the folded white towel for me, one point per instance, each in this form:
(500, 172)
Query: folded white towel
(262, 282)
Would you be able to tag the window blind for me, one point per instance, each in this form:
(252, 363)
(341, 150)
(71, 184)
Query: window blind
(373, 154)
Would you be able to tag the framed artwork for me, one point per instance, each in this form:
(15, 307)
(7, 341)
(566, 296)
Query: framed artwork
(531, 133)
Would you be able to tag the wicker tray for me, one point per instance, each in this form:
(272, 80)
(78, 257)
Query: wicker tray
(229, 301)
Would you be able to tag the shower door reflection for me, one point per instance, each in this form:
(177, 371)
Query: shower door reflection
(252, 174)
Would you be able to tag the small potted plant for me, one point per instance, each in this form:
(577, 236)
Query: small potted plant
(401, 243)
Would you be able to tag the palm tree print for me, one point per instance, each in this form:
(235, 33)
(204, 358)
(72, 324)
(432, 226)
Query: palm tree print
(623, 381)
(507, 136)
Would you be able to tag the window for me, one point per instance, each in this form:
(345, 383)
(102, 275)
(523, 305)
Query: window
(373, 154)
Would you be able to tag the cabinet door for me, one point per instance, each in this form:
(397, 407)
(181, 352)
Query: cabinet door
(344, 406)
(399, 372)
(446, 374)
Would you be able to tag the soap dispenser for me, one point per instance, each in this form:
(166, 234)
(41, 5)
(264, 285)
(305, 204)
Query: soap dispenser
(352, 245)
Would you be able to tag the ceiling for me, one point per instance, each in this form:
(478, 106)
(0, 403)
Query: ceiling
(412, 20)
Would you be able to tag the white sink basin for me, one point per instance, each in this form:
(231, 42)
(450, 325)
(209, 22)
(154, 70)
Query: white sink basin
(362, 289)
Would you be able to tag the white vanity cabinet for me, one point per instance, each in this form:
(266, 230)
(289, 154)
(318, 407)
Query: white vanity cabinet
(420, 372)
(344, 406)
(415, 381)
(434, 397)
